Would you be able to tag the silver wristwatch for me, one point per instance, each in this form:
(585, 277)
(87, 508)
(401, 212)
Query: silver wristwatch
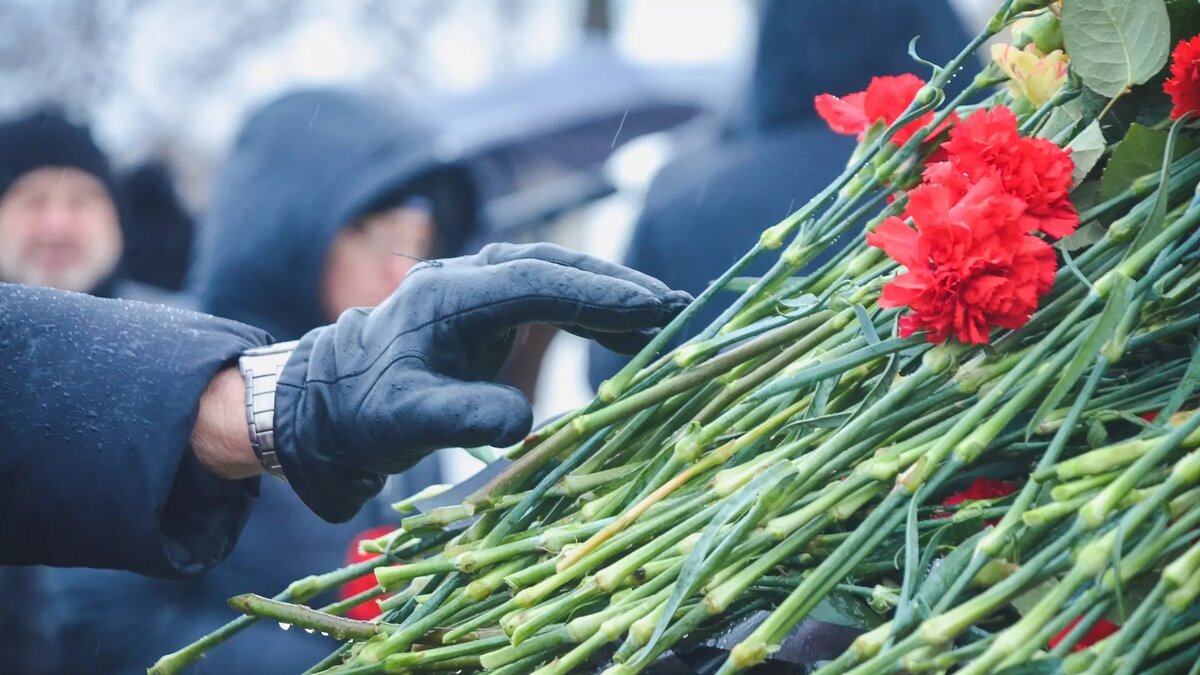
(260, 368)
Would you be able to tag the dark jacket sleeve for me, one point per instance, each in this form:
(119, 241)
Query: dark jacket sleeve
(97, 401)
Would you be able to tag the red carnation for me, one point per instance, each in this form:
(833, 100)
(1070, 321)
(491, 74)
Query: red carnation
(1033, 169)
(1099, 630)
(369, 609)
(969, 265)
(885, 99)
(980, 488)
(1184, 85)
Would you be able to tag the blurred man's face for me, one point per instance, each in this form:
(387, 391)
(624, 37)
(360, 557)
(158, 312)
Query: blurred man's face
(362, 268)
(58, 228)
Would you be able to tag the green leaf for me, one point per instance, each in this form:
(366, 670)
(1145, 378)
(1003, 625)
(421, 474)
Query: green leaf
(943, 573)
(1039, 667)
(843, 609)
(1084, 236)
(1115, 44)
(1086, 149)
(1140, 153)
(1114, 309)
(1062, 118)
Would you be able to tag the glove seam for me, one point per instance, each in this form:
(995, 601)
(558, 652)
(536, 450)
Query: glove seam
(408, 353)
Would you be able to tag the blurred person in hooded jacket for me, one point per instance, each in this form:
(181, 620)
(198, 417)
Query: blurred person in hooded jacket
(708, 207)
(158, 227)
(327, 201)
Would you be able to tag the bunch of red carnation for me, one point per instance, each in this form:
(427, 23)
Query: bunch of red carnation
(975, 257)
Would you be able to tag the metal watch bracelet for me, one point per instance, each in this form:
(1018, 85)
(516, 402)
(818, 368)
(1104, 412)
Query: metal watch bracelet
(260, 368)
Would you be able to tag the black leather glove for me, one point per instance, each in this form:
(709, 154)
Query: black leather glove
(375, 392)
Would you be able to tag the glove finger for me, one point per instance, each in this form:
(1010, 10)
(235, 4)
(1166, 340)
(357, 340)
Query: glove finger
(535, 291)
(495, 254)
(448, 413)
(621, 343)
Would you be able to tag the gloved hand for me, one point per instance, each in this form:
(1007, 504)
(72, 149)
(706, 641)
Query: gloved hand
(375, 392)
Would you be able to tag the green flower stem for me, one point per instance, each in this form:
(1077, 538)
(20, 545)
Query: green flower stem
(391, 577)
(469, 612)
(1093, 513)
(574, 485)
(523, 667)
(608, 631)
(398, 663)
(335, 658)
(1087, 485)
(404, 637)
(976, 415)
(523, 511)
(659, 517)
(708, 462)
(626, 436)
(947, 660)
(1087, 618)
(616, 572)
(1131, 565)
(529, 576)
(304, 617)
(601, 418)
(1128, 663)
(755, 648)
(554, 611)
(1019, 641)
(1132, 627)
(539, 644)
(296, 592)
(977, 441)
(493, 580)
(342, 606)
(824, 325)
(613, 388)
(944, 626)
(486, 618)
(537, 436)
(992, 542)
(1133, 265)
(708, 558)
(720, 595)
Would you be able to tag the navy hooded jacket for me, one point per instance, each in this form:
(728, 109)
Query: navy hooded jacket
(709, 206)
(97, 404)
(304, 166)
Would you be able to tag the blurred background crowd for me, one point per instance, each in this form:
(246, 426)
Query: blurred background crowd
(278, 162)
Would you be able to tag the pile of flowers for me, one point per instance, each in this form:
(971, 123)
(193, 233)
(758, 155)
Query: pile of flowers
(970, 435)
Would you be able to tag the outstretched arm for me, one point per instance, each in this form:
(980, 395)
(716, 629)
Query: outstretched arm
(107, 456)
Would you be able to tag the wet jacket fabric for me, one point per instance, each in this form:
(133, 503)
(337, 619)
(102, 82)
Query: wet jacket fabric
(709, 206)
(97, 402)
(22, 591)
(303, 167)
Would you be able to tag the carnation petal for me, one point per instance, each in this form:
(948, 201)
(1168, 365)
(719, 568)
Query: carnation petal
(843, 115)
(896, 239)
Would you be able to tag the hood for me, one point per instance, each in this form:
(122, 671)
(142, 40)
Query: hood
(304, 166)
(811, 47)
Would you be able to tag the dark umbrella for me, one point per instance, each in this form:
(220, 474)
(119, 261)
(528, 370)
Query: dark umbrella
(536, 142)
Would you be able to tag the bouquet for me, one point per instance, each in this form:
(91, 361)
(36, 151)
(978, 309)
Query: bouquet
(972, 433)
